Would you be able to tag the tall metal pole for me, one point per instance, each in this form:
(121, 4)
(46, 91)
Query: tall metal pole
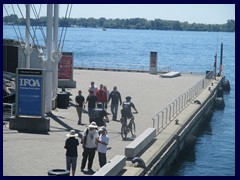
(221, 59)
(221, 55)
(55, 39)
(215, 67)
(48, 64)
(27, 45)
(49, 32)
(56, 54)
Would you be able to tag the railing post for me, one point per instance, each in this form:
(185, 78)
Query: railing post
(162, 119)
(153, 122)
(173, 108)
(170, 112)
(185, 99)
(182, 101)
(194, 90)
(191, 92)
(166, 115)
(176, 106)
(179, 108)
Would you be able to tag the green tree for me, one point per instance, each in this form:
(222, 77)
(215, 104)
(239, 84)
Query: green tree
(132, 23)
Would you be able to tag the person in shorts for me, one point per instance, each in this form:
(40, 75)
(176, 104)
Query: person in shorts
(71, 145)
(126, 110)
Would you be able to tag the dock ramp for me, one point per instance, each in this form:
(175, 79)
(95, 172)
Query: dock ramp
(171, 74)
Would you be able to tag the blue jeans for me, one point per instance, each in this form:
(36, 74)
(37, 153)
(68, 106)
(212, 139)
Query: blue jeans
(90, 111)
(114, 110)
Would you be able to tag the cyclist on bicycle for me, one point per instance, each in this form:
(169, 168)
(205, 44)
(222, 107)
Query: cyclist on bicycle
(126, 109)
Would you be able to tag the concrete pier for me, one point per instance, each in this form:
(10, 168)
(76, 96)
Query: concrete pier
(35, 154)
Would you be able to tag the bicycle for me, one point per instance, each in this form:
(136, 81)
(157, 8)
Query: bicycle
(126, 128)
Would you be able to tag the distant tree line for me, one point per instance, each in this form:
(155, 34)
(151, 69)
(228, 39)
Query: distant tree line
(133, 23)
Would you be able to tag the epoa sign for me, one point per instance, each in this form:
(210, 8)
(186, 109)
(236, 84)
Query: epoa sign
(30, 99)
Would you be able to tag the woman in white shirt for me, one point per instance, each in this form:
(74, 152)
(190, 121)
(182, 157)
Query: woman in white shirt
(102, 141)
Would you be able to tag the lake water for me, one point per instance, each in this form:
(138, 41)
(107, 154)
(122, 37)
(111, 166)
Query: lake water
(214, 152)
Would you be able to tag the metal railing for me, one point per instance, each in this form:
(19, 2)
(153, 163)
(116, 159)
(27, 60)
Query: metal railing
(121, 66)
(170, 111)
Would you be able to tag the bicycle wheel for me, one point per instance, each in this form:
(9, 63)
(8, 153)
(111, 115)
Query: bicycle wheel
(124, 131)
(133, 129)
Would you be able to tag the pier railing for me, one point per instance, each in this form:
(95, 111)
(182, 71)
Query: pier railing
(170, 111)
(121, 66)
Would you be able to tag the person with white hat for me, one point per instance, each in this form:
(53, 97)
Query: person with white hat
(103, 141)
(89, 144)
(71, 154)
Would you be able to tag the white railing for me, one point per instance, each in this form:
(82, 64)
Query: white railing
(170, 111)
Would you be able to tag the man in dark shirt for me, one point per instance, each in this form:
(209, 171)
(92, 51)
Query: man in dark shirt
(79, 106)
(91, 100)
(71, 154)
(126, 109)
(115, 96)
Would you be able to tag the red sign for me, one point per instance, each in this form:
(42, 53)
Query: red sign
(65, 66)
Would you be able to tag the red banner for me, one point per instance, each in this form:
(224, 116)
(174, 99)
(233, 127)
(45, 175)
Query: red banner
(65, 66)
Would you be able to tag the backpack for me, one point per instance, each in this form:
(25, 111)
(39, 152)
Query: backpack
(95, 114)
(85, 137)
(126, 110)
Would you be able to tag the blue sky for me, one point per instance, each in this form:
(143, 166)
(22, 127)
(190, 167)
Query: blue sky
(198, 13)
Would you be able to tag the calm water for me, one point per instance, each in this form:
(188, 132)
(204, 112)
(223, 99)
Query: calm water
(214, 152)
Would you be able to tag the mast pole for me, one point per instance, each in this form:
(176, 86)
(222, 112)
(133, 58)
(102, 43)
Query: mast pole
(48, 64)
(27, 44)
(56, 53)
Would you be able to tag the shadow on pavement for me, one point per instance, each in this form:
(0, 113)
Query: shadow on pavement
(74, 105)
(68, 128)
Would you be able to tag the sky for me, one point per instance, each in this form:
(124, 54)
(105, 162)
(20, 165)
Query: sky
(198, 13)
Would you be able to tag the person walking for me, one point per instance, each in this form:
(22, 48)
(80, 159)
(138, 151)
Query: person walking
(71, 154)
(89, 144)
(93, 88)
(103, 141)
(79, 106)
(102, 95)
(107, 92)
(91, 100)
(115, 98)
